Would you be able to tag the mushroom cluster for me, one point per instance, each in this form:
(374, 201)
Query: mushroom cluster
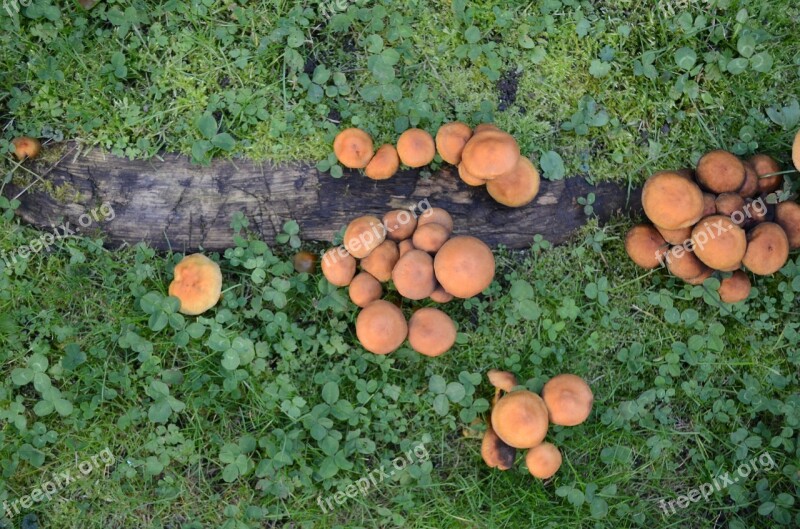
(716, 218)
(421, 259)
(486, 156)
(520, 420)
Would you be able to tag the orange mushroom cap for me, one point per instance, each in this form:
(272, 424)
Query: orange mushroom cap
(543, 461)
(437, 216)
(469, 179)
(416, 148)
(766, 165)
(520, 419)
(353, 148)
(736, 288)
(400, 224)
(413, 275)
(363, 235)
(767, 249)
(440, 295)
(517, 187)
(338, 266)
(796, 151)
(645, 246)
(431, 332)
(787, 215)
(672, 201)
(197, 283)
(381, 261)
(749, 187)
(384, 164)
(719, 243)
(304, 262)
(364, 289)
(496, 453)
(504, 380)
(568, 398)
(26, 147)
(430, 237)
(381, 327)
(451, 139)
(720, 172)
(464, 266)
(490, 154)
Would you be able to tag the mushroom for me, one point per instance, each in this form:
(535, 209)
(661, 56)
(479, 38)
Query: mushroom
(364, 289)
(464, 266)
(304, 262)
(766, 165)
(720, 172)
(568, 398)
(25, 147)
(338, 266)
(503, 380)
(384, 164)
(796, 151)
(735, 288)
(403, 247)
(400, 224)
(430, 237)
(677, 237)
(701, 278)
(749, 187)
(451, 139)
(437, 216)
(719, 243)
(440, 295)
(709, 204)
(381, 261)
(197, 283)
(787, 215)
(490, 154)
(431, 332)
(413, 275)
(520, 419)
(543, 461)
(469, 179)
(671, 201)
(767, 249)
(381, 327)
(517, 187)
(729, 203)
(496, 453)
(363, 235)
(645, 246)
(353, 148)
(684, 264)
(484, 127)
(416, 148)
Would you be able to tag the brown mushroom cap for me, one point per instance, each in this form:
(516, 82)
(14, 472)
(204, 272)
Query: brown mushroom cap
(735, 288)
(679, 236)
(757, 209)
(720, 172)
(384, 164)
(416, 148)
(431, 332)
(25, 147)
(400, 224)
(672, 201)
(490, 154)
(430, 237)
(381, 261)
(363, 235)
(796, 151)
(728, 203)
(709, 204)
(685, 264)
(304, 262)
(364, 289)
(767, 249)
(701, 278)
(543, 461)
(413, 275)
(405, 246)
(764, 165)
(338, 266)
(504, 380)
(464, 266)
(381, 327)
(568, 398)
(437, 216)
(469, 179)
(787, 215)
(520, 419)
(645, 246)
(517, 187)
(440, 295)
(353, 148)
(495, 452)
(451, 139)
(719, 243)
(197, 283)
(749, 187)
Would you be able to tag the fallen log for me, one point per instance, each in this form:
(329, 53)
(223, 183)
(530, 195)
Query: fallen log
(172, 203)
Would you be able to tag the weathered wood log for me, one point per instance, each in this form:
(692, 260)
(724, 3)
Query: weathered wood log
(172, 203)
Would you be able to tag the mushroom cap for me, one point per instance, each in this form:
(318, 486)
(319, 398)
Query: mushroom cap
(381, 327)
(767, 249)
(764, 165)
(405, 246)
(437, 216)
(735, 288)
(672, 201)
(364, 289)
(468, 178)
(677, 237)
(430, 237)
(719, 243)
(645, 246)
(451, 139)
(709, 205)
(787, 215)
(728, 203)
(568, 398)
(338, 266)
(757, 214)
(749, 187)
(464, 266)
(26, 147)
(796, 151)
(431, 332)
(701, 278)
(304, 262)
(485, 127)
(517, 187)
(495, 452)
(197, 283)
(384, 164)
(720, 172)
(504, 380)
(400, 224)
(543, 461)
(520, 419)
(381, 261)
(353, 148)
(685, 265)
(413, 275)
(416, 148)
(490, 154)
(363, 235)
(440, 295)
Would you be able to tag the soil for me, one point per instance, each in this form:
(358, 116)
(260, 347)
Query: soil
(507, 88)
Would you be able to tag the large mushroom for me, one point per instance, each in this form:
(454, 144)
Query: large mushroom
(451, 139)
(719, 243)
(645, 246)
(381, 327)
(413, 275)
(431, 332)
(464, 266)
(363, 235)
(197, 284)
(520, 419)
(490, 154)
(338, 266)
(353, 148)
(516, 188)
(720, 172)
(767, 249)
(384, 164)
(568, 398)
(672, 201)
(416, 148)
(543, 461)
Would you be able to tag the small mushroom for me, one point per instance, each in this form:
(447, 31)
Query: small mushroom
(796, 151)
(676, 237)
(364, 289)
(719, 243)
(384, 164)
(25, 147)
(543, 461)
(197, 283)
(709, 205)
(787, 215)
(405, 246)
(568, 398)
(380, 262)
(645, 246)
(338, 266)
(440, 295)
(353, 148)
(430, 237)
(728, 203)
(720, 172)
(701, 278)
(451, 139)
(464, 266)
(469, 179)
(490, 154)
(431, 332)
(685, 265)
(767, 249)
(400, 224)
(496, 453)
(672, 201)
(437, 216)
(413, 275)
(485, 127)
(766, 165)
(416, 148)
(363, 235)
(749, 187)
(520, 419)
(381, 327)
(503, 380)
(304, 262)
(735, 288)
(516, 188)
